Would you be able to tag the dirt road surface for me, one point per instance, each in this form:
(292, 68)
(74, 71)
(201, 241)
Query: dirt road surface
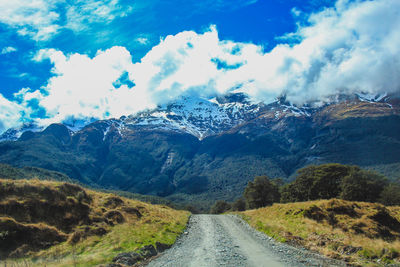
(226, 240)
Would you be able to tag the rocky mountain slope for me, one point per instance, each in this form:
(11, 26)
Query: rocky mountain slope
(202, 150)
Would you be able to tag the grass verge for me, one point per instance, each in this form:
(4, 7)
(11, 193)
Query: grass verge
(359, 233)
(94, 228)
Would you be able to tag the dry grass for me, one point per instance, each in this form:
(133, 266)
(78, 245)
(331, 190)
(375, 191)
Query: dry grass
(356, 109)
(111, 224)
(357, 232)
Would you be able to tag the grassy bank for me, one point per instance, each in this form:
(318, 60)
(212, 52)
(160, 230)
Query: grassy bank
(59, 224)
(358, 232)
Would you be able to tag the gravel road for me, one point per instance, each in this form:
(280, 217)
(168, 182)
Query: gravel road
(226, 240)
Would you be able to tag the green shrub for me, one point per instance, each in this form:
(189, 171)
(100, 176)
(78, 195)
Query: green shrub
(239, 205)
(261, 192)
(328, 181)
(390, 195)
(316, 182)
(362, 185)
(219, 207)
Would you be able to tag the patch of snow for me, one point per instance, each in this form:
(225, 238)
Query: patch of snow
(214, 100)
(168, 161)
(298, 112)
(106, 132)
(120, 127)
(367, 97)
(13, 134)
(197, 116)
(77, 125)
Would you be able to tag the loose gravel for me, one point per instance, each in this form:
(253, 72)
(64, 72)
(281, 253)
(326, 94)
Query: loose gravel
(227, 240)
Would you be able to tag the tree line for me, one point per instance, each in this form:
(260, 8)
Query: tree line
(314, 182)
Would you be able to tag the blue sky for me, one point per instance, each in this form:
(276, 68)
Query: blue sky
(259, 22)
(149, 45)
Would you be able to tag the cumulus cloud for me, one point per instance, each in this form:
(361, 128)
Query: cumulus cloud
(84, 87)
(42, 19)
(11, 114)
(344, 49)
(8, 50)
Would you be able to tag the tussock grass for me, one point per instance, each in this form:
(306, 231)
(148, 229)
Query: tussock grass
(358, 232)
(100, 226)
(345, 110)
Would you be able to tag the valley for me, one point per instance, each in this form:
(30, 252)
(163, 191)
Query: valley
(153, 133)
(188, 155)
(53, 223)
(199, 150)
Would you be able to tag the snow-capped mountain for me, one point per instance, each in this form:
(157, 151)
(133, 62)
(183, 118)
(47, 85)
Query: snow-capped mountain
(13, 134)
(202, 117)
(368, 97)
(210, 148)
(197, 116)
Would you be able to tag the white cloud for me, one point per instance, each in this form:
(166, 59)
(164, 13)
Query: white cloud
(349, 48)
(296, 12)
(35, 18)
(10, 114)
(142, 40)
(82, 87)
(345, 49)
(8, 50)
(42, 19)
(84, 12)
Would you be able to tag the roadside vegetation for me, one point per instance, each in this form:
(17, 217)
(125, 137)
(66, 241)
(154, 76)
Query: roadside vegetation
(314, 182)
(338, 210)
(14, 173)
(45, 223)
(359, 233)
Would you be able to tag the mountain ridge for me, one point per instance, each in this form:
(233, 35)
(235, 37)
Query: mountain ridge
(203, 117)
(153, 153)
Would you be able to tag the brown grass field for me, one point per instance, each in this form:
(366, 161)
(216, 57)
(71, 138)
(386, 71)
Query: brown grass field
(360, 233)
(45, 223)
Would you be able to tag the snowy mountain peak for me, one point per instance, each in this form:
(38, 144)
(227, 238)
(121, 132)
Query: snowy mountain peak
(13, 134)
(367, 97)
(198, 116)
(75, 125)
(201, 117)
